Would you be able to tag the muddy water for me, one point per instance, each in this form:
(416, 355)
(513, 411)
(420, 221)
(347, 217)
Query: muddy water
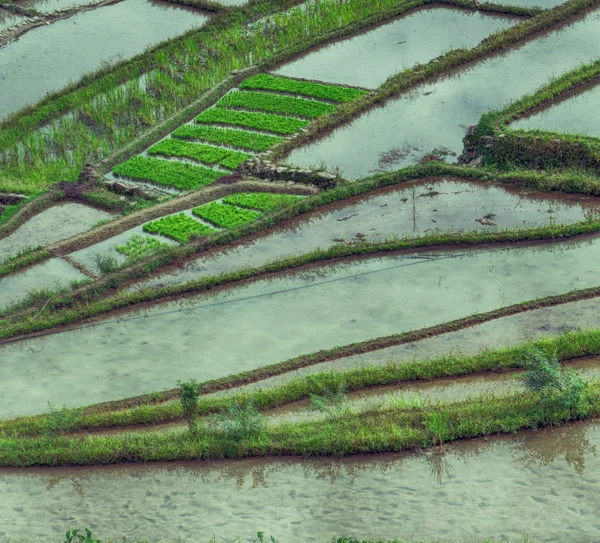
(48, 274)
(55, 224)
(435, 115)
(394, 47)
(8, 19)
(538, 483)
(268, 321)
(579, 114)
(47, 6)
(418, 208)
(82, 43)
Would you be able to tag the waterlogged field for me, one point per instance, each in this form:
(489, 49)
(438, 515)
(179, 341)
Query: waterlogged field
(225, 281)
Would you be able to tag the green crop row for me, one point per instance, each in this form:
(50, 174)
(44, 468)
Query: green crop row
(274, 103)
(199, 152)
(305, 88)
(224, 215)
(179, 227)
(169, 173)
(260, 121)
(241, 139)
(139, 247)
(261, 201)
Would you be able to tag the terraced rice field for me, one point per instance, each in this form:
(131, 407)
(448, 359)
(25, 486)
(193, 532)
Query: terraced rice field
(312, 271)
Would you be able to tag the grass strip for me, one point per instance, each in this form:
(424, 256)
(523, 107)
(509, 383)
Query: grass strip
(261, 201)
(22, 260)
(259, 121)
(566, 346)
(273, 103)
(334, 93)
(224, 215)
(179, 227)
(178, 175)
(375, 431)
(241, 139)
(201, 153)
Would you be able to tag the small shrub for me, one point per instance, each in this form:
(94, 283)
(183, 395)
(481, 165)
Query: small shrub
(241, 421)
(62, 420)
(105, 263)
(75, 536)
(189, 392)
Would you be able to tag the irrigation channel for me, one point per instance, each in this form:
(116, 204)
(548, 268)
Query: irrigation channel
(435, 115)
(537, 483)
(83, 43)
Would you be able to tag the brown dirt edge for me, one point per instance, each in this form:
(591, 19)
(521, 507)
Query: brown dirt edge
(325, 355)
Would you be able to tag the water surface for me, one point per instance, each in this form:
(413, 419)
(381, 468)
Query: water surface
(8, 19)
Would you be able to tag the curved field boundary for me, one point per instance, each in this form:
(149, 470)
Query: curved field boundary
(501, 146)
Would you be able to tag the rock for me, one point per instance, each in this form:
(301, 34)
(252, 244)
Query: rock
(327, 176)
(476, 162)
(487, 139)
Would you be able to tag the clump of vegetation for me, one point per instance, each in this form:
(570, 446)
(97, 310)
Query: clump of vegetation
(332, 402)
(201, 153)
(179, 175)
(241, 421)
(62, 420)
(273, 103)
(225, 215)
(278, 124)
(242, 139)
(139, 247)
(105, 263)
(261, 201)
(189, 392)
(179, 227)
(305, 88)
(76, 536)
(555, 385)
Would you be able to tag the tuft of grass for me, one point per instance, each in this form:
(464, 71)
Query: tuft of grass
(178, 175)
(179, 227)
(105, 263)
(240, 139)
(225, 215)
(334, 93)
(200, 153)
(259, 121)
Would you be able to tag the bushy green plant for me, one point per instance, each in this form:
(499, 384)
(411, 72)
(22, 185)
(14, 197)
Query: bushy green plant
(437, 425)
(332, 402)
(105, 263)
(189, 392)
(61, 420)
(242, 420)
(76, 536)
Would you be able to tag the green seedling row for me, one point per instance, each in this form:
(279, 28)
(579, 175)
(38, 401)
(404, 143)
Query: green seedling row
(178, 175)
(201, 153)
(259, 121)
(240, 139)
(275, 103)
(224, 215)
(179, 227)
(304, 88)
(261, 201)
(139, 247)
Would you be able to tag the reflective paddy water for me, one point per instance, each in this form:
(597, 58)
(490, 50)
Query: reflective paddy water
(395, 46)
(268, 321)
(539, 483)
(435, 115)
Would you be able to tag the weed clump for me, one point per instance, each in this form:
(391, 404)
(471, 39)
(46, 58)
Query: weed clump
(189, 392)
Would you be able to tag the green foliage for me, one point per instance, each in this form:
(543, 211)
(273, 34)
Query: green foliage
(75, 536)
(273, 103)
(105, 263)
(242, 139)
(437, 424)
(554, 384)
(261, 201)
(174, 174)
(225, 215)
(201, 153)
(62, 420)
(179, 227)
(105, 199)
(399, 401)
(331, 402)
(139, 247)
(189, 392)
(259, 121)
(305, 88)
(241, 421)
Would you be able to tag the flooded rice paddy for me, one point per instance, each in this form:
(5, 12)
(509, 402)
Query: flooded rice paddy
(48, 6)
(52, 225)
(55, 271)
(419, 208)
(576, 114)
(82, 43)
(269, 321)
(435, 115)
(540, 484)
(9, 19)
(396, 46)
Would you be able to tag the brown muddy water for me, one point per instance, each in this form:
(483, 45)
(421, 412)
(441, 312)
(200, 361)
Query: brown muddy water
(435, 115)
(579, 114)
(394, 47)
(52, 225)
(236, 329)
(418, 208)
(49, 274)
(541, 484)
(82, 44)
